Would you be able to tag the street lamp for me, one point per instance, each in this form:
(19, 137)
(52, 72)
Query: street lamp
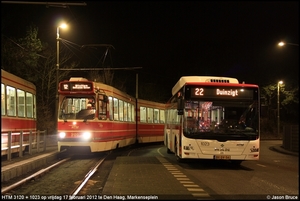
(283, 44)
(278, 108)
(57, 68)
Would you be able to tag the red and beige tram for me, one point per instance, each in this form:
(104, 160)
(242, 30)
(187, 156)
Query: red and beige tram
(150, 121)
(18, 111)
(99, 117)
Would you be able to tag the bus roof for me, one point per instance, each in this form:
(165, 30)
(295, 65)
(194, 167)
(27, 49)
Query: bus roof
(185, 79)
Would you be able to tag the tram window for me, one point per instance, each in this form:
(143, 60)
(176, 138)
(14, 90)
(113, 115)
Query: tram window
(116, 109)
(3, 99)
(156, 116)
(102, 109)
(143, 114)
(162, 116)
(29, 105)
(11, 101)
(150, 115)
(125, 111)
(110, 102)
(121, 110)
(132, 113)
(129, 112)
(34, 106)
(21, 103)
(91, 103)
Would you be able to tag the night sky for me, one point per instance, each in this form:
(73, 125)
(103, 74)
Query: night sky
(173, 39)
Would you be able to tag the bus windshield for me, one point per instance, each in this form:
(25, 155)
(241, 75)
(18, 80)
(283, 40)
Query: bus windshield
(77, 108)
(221, 119)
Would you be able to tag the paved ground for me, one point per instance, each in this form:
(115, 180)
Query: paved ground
(125, 170)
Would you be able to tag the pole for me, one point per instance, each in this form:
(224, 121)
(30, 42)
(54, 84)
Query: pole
(136, 107)
(57, 69)
(278, 115)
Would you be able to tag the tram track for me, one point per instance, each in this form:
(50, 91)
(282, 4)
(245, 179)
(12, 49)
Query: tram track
(78, 188)
(33, 176)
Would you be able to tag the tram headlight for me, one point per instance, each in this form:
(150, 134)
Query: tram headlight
(62, 135)
(86, 135)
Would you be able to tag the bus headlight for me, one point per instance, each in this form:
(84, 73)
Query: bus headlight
(62, 135)
(86, 135)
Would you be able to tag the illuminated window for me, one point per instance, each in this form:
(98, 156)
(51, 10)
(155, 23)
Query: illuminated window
(143, 114)
(126, 111)
(110, 102)
(150, 115)
(156, 116)
(121, 110)
(21, 103)
(3, 99)
(116, 109)
(11, 101)
(162, 116)
(29, 105)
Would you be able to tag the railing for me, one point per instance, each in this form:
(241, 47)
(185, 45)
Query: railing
(14, 142)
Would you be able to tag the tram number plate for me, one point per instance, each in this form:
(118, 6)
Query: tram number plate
(222, 157)
(75, 134)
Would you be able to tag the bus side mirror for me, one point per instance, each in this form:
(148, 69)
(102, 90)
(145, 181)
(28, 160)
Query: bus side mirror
(180, 105)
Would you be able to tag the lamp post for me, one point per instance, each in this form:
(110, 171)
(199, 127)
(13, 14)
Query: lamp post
(283, 44)
(57, 69)
(278, 108)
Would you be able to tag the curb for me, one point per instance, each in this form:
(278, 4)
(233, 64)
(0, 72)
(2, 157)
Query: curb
(280, 149)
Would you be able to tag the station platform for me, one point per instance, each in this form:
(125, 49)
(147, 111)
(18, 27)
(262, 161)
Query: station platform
(18, 166)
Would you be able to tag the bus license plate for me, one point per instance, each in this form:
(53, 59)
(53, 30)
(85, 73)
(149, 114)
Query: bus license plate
(222, 157)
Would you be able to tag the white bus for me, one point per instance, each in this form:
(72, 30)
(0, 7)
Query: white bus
(213, 118)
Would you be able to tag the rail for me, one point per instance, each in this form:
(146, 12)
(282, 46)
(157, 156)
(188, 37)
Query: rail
(11, 142)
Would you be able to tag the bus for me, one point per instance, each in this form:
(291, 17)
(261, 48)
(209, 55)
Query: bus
(210, 117)
(96, 117)
(18, 111)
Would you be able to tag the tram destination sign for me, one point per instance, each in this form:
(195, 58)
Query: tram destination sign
(76, 86)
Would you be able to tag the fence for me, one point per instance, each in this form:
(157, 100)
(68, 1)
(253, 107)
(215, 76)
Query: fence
(18, 143)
